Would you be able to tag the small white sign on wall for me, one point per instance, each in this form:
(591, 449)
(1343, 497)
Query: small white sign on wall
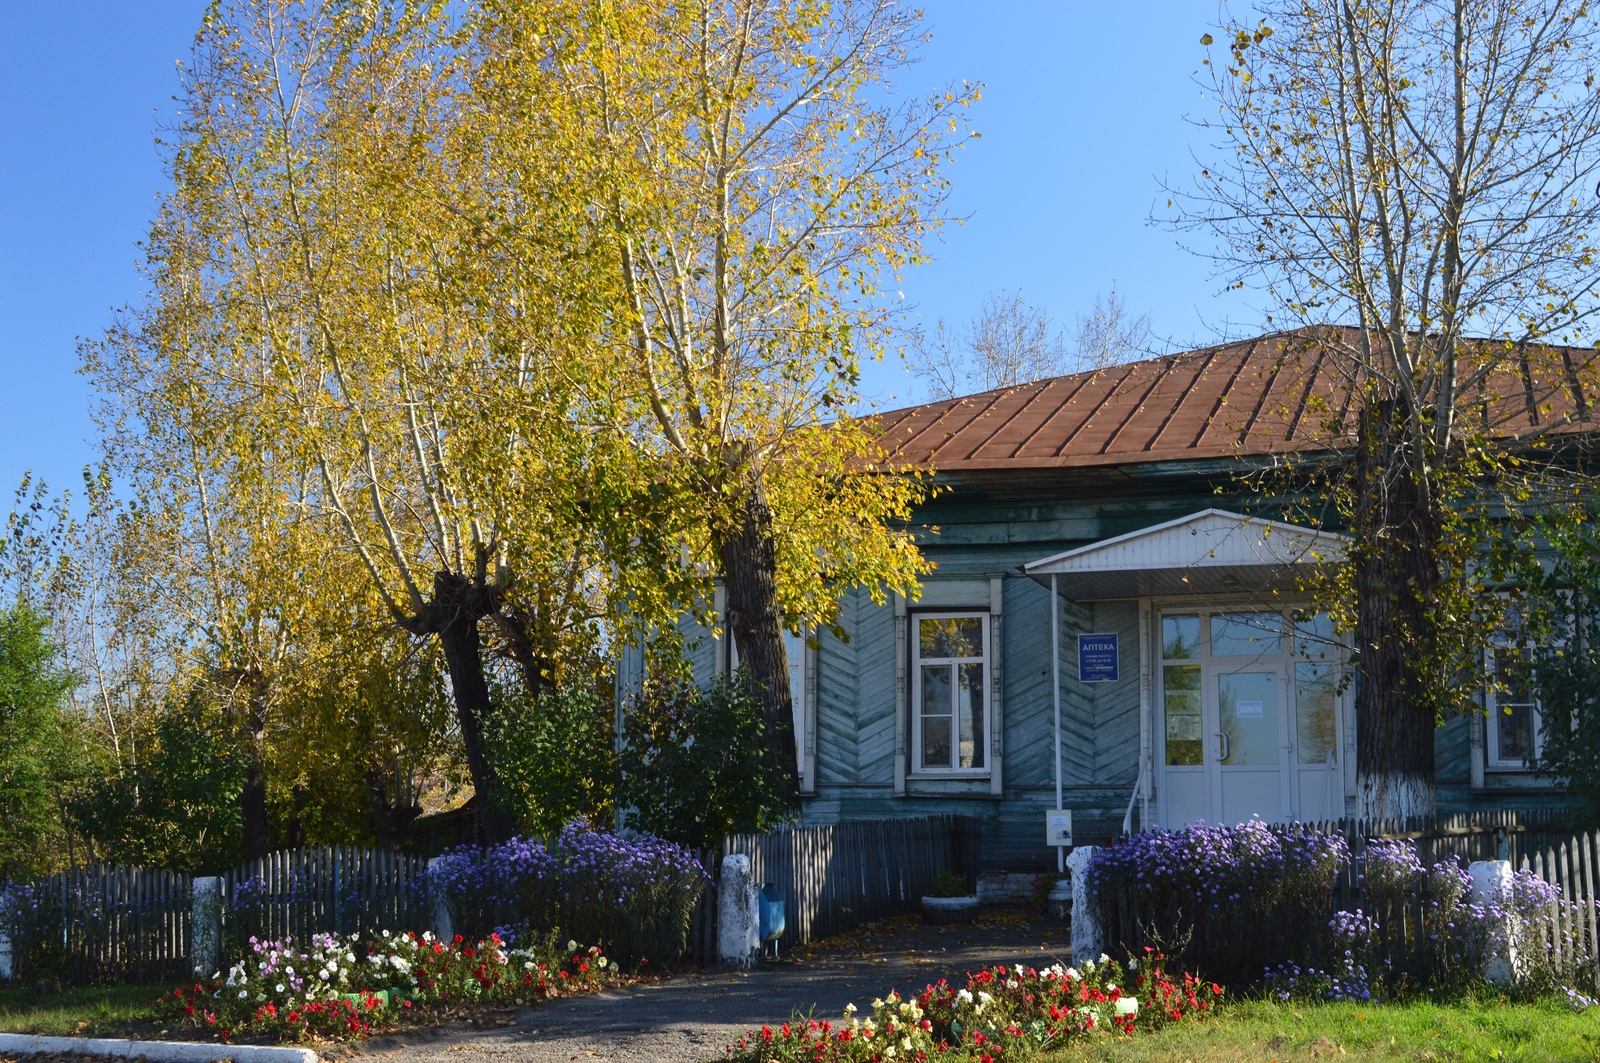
(1058, 827)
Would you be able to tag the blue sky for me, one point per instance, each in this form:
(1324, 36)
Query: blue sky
(1083, 112)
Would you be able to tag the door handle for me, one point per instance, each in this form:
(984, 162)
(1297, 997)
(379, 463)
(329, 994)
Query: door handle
(1224, 747)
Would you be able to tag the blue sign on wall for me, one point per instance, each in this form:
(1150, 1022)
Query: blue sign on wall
(1097, 658)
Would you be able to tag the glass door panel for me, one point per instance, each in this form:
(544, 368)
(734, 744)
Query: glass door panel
(1249, 745)
(1247, 705)
(1185, 733)
(1319, 790)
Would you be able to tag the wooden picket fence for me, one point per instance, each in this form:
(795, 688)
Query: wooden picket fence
(104, 923)
(1572, 866)
(835, 878)
(323, 888)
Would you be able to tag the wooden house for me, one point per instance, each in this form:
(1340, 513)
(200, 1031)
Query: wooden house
(1112, 625)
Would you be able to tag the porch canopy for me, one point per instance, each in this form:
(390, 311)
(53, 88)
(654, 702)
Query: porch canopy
(1212, 552)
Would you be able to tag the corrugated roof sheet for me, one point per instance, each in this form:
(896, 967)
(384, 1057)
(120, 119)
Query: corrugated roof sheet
(1276, 394)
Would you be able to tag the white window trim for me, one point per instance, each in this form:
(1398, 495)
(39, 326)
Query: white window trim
(1491, 739)
(916, 770)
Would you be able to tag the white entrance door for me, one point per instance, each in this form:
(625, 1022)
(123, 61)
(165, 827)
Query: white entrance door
(1248, 718)
(1247, 756)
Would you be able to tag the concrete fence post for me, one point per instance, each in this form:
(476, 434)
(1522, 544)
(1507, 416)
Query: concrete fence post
(7, 969)
(205, 934)
(1088, 938)
(1491, 888)
(443, 927)
(738, 914)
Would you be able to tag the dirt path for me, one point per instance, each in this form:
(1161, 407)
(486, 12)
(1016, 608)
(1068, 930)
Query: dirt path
(690, 1019)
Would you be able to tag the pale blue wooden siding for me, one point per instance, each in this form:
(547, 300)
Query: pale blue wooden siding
(876, 709)
(1116, 705)
(837, 678)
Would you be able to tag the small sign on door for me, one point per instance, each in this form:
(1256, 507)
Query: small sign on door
(1097, 658)
(1248, 710)
(1058, 827)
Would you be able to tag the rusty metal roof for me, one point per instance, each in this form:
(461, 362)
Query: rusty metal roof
(1277, 394)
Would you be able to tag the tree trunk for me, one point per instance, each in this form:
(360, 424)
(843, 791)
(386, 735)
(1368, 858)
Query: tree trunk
(1395, 554)
(390, 818)
(749, 568)
(257, 839)
(458, 604)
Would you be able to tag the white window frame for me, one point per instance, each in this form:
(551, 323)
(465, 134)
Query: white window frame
(986, 660)
(1492, 704)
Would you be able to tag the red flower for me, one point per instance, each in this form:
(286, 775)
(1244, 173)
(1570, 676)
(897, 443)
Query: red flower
(294, 1016)
(188, 1009)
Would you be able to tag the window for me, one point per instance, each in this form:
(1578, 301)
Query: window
(949, 693)
(1514, 726)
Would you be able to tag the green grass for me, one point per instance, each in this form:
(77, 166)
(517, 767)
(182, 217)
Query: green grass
(82, 1011)
(1258, 1032)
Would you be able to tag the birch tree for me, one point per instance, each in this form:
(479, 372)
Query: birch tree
(332, 295)
(757, 184)
(1421, 174)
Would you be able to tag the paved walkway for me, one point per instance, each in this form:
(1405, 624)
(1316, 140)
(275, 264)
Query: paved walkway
(689, 1019)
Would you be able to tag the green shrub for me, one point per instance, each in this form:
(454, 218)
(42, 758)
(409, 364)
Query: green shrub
(555, 757)
(698, 764)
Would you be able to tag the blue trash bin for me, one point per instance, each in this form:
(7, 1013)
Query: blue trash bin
(773, 916)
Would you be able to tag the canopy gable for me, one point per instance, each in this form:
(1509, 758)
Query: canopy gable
(1211, 552)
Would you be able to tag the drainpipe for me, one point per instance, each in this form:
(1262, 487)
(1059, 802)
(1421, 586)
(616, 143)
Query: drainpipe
(1055, 691)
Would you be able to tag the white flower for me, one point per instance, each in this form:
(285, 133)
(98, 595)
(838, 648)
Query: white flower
(877, 1003)
(849, 1009)
(888, 1053)
(604, 962)
(572, 946)
(1133, 965)
(1127, 1006)
(964, 996)
(427, 935)
(289, 971)
(1072, 973)
(528, 966)
(385, 933)
(1104, 958)
(243, 993)
(323, 974)
(280, 987)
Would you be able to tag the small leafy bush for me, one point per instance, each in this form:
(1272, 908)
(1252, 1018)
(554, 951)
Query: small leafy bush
(699, 764)
(948, 884)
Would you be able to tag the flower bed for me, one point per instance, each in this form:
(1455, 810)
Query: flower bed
(636, 894)
(1000, 1014)
(339, 987)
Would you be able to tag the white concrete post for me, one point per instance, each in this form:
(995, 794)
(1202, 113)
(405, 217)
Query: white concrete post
(205, 933)
(1088, 939)
(7, 972)
(738, 914)
(1491, 885)
(443, 927)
